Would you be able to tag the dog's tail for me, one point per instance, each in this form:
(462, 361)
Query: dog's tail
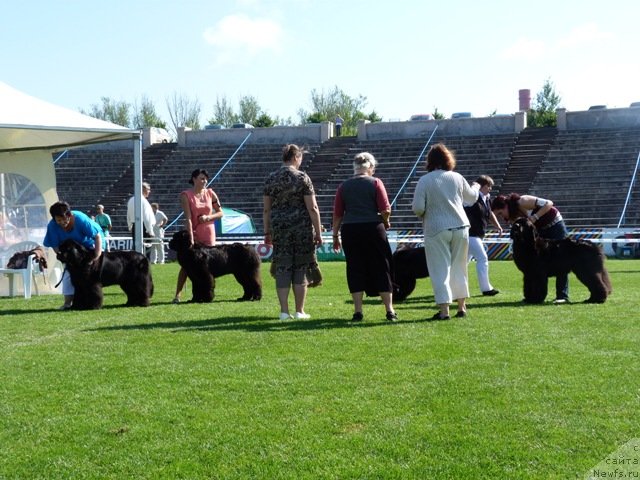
(607, 281)
(143, 265)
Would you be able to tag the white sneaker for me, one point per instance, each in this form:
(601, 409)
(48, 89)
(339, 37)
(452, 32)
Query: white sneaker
(302, 316)
(284, 316)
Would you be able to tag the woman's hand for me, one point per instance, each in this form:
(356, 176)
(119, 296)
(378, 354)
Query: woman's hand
(336, 244)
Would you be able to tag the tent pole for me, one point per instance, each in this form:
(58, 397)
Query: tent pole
(137, 192)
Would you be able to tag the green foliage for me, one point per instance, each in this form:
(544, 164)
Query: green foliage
(223, 113)
(228, 391)
(249, 110)
(543, 112)
(373, 117)
(437, 115)
(316, 117)
(264, 120)
(326, 106)
(145, 115)
(111, 111)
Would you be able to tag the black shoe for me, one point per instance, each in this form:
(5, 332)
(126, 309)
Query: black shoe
(491, 293)
(438, 317)
(357, 317)
(392, 316)
(461, 314)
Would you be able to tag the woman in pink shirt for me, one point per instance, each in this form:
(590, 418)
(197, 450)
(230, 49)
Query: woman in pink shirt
(201, 208)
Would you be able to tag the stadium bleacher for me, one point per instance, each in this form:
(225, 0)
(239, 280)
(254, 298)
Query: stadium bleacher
(587, 173)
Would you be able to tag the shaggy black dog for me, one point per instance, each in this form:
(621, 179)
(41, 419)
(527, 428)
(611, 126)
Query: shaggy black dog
(128, 269)
(204, 264)
(409, 264)
(538, 259)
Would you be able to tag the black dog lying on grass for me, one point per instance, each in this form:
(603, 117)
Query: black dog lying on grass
(204, 264)
(409, 264)
(538, 259)
(128, 269)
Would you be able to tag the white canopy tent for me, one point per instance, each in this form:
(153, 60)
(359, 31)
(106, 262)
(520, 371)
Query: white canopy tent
(32, 129)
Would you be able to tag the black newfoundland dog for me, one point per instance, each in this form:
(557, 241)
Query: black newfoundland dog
(409, 264)
(128, 269)
(204, 264)
(538, 259)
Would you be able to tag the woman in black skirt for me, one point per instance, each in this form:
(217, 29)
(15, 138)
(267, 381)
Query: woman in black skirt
(361, 213)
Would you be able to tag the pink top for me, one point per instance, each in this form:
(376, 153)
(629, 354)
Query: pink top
(204, 233)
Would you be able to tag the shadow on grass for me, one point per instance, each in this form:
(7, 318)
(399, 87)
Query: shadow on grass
(259, 324)
(32, 311)
(248, 324)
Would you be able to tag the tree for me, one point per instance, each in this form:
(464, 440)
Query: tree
(437, 115)
(144, 115)
(110, 111)
(183, 111)
(373, 117)
(543, 112)
(264, 120)
(327, 105)
(223, 113)
(283, 121)
(249, 110)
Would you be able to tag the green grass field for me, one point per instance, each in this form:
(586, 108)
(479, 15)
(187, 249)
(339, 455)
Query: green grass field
(227, 391)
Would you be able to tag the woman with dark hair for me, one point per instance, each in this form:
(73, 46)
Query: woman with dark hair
(438, 201)
(362, 209)
(545, 218)
(291, 220)
(201, 207)
(480, 215)
(72, 224)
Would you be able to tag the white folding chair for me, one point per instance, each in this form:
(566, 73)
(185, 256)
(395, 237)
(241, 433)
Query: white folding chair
(28, 274)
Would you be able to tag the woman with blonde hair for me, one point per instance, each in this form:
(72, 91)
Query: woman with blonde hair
(361, 213)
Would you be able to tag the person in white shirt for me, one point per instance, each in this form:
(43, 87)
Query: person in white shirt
(480, 215)
(338, 123)
(148, 217)
(438, 201)
(157, 249)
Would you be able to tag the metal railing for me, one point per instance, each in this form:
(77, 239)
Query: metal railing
(413, 169)
(626, 202)
(211, 180)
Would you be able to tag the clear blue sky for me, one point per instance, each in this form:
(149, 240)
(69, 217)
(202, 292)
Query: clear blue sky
(404, 56)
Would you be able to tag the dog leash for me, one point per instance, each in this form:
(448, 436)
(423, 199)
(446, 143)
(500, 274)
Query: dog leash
(61, 277)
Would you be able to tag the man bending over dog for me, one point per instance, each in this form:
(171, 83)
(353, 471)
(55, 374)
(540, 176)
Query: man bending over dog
(75, 225)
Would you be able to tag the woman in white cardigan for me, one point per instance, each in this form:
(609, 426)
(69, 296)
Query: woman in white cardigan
(438, 201)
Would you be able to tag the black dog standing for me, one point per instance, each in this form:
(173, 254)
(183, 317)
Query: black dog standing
(128, 269)
(204, 264)
(539, 258)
